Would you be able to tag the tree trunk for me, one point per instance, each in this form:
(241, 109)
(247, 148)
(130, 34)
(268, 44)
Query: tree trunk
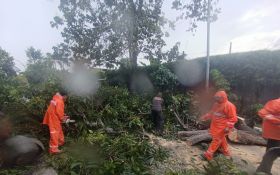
(191, 133)
(243, 137)
(133, 58)
(241, 125)
(237, 136)
(199, 138)
(132, 35)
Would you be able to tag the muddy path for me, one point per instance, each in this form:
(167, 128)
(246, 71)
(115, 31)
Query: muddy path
(182, 156)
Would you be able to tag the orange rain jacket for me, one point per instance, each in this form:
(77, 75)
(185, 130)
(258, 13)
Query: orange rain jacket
(55, 112)
(222, 115)
(271, 126)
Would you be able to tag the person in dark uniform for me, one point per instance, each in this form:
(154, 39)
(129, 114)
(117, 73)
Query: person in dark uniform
(157, 115)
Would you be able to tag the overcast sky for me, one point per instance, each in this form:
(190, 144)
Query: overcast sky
(248, 24)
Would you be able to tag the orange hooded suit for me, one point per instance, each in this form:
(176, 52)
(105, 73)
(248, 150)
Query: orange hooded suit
(223, 117)
(53, 118)
(271, 119)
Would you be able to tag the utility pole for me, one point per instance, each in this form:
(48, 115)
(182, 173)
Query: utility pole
(230, 45)
(208, 46)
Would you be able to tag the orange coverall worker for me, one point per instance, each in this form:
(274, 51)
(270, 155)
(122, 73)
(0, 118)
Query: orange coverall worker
(270, 114)
(223, 117)
(271, 119)
(53, 118)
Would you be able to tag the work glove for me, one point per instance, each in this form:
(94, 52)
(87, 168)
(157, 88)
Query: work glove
(269, 117)
(65, 118)
(69, 121)
(227, 130)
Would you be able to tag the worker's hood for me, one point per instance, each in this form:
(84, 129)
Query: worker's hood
(57, 97)
(222, 95)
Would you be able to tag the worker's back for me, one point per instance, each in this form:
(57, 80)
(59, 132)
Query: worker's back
(157, 104)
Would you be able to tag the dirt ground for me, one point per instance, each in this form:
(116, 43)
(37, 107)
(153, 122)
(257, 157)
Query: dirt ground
(182, 156)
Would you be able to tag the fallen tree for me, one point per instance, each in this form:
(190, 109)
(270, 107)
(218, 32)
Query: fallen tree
(180, 121)
(241, 125)
(243, 137)
(206, 137)
(237, 136)
(242, 134)
(191, 133)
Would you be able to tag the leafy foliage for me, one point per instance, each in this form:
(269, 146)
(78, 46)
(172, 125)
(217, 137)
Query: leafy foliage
(196, 11)
(123, 154)
(100, 32)
(116, 107)
(163, 78)
(253, 76)
(183, 106)
(252, 117)
(122, 151)
(185, 172)
(174, 54)
(222, 166)
(6, 64)
(7, 72)
(34, 55)
(219, 80)
(15, 171)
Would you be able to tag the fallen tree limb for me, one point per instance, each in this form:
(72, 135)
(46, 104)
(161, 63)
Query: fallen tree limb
(243, 137)
(237, 136)
(180, 121)
(241, 125)
(144, 113)
(191, 133)
(248, 130)
(198, 138)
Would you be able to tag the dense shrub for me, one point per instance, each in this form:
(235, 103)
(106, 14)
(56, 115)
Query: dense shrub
(162, 78)
(222, 166)
(114, 107)
(105, 154)
(253, 76)
(252, 118)
(219, 80)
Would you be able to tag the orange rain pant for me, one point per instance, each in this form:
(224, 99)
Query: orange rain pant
(218, 141)
(56, 138)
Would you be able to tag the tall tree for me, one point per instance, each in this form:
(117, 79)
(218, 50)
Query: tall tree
(196, 11)
(34, 55)
(7, 72)
(40, 67)
(99, 32)
(7, 64)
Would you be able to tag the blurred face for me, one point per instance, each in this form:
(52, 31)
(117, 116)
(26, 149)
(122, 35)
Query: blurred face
(64, 98)
(218, 99)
